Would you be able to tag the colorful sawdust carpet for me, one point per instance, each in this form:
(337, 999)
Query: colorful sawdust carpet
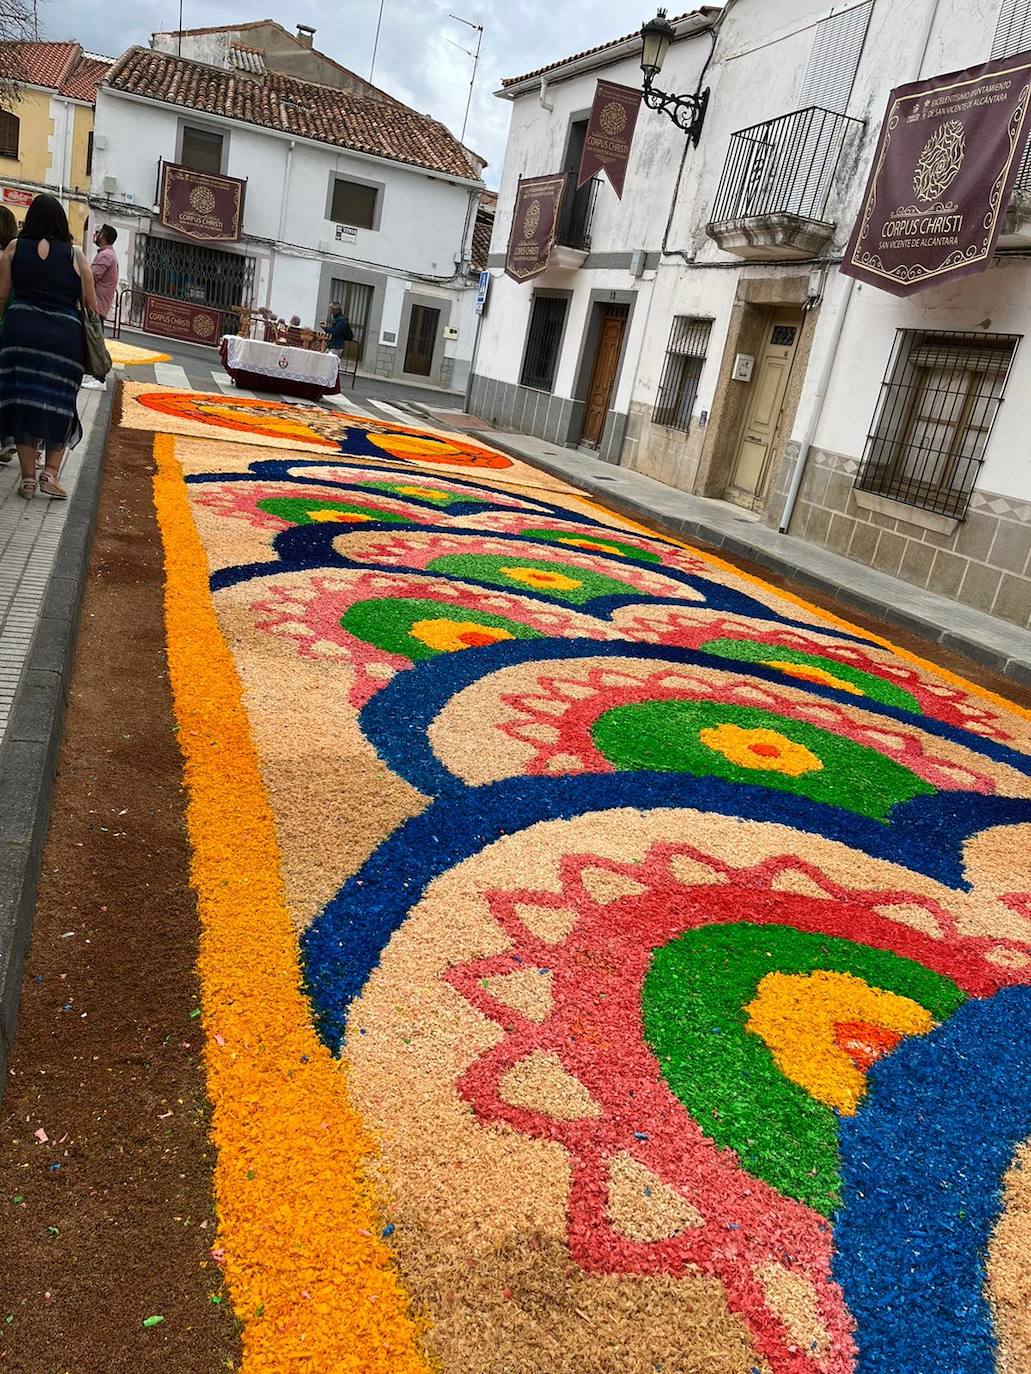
(667, 941)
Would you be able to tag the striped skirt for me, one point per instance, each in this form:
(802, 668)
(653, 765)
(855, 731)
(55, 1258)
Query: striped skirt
(42, 359)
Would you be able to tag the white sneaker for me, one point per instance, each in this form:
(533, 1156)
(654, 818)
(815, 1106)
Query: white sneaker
(93, 384)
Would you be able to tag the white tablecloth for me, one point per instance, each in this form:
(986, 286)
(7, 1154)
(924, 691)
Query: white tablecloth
(276, 360)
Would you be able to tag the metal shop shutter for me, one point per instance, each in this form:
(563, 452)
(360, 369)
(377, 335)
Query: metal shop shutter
(1013, 32)
(835, 58)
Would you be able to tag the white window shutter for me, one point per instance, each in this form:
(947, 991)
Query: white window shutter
(837, 49)
(1013, 32)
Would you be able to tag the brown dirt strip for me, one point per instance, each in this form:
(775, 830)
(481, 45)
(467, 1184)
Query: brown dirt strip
(111, 1220)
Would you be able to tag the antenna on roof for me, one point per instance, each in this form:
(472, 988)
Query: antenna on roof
(180, 34)
(478, 30)
(375, 46)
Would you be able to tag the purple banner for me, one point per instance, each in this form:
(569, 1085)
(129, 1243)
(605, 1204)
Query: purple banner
(949, 153)
(534, 225)
(201, 206)
(610, 134)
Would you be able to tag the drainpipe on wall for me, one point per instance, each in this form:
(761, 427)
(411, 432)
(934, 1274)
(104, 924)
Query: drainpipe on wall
(282, 225)
(542, 97)
(839, 325)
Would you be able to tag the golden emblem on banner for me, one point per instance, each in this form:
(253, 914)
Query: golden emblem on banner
(532, 219)
(203, 326)
(202, 199)
(613, 118)
(939, 163)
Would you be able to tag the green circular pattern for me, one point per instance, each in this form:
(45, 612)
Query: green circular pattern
(386, 623)
(752, 651)
(495, 569)
(298, 510)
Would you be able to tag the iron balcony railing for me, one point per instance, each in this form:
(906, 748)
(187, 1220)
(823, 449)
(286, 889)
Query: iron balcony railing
(786, 166)
(577, 214)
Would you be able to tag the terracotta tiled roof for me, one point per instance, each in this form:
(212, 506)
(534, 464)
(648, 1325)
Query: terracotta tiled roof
(62, 67)
(704, 12)
(291, 106)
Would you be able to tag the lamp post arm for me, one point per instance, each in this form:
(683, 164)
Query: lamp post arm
(686, 111)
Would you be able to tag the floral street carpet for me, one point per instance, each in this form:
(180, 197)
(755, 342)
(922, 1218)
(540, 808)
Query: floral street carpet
(609, 963)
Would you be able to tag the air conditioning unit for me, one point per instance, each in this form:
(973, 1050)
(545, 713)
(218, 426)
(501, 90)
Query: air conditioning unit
(110, 185)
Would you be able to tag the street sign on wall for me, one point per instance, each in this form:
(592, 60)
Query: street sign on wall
(610, 134)
(948, 156)
(201, 206)
(201, 324)
(534, 225)
(481, 292)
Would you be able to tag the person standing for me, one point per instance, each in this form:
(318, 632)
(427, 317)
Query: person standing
(104, 268)
(338, 328)
(43, 346)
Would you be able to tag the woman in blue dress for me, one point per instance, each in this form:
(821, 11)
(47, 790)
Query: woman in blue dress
(42, 347)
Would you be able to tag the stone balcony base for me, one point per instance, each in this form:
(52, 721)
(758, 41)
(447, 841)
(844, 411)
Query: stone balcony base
(782, 236)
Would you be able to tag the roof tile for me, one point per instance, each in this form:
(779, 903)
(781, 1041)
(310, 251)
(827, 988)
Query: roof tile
(290, 105)
(62, 67)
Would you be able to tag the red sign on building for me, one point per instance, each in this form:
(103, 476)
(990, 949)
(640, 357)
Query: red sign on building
(534, 225)
(200, 324)
(948, 156)
(610, 134)
(23, 199)
(200, 206)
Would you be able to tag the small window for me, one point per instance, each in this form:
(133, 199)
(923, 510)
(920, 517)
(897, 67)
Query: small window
(685, 357)
(353, 203)
(543, 341)
(89, 153)
(938, 403)
(10, 129)
(202, 151)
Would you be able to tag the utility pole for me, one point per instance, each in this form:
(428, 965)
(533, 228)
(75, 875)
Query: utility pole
(375, 45)
(478, 30)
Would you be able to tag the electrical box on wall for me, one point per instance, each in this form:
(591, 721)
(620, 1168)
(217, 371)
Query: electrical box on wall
(743, 365)
(451, 333)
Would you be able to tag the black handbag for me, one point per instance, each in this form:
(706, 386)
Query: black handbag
(98, 359)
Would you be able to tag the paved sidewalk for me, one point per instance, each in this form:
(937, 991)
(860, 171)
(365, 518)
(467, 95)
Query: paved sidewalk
(30, 532)
(989, 641)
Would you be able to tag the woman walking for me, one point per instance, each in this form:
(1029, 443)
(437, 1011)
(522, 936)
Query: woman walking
(42, 347)
(8, 233)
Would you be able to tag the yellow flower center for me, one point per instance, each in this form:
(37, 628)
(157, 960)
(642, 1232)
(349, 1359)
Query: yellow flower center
(338, 517)
(450, 635)
(809, 672)
(537, 577)
(764, 750)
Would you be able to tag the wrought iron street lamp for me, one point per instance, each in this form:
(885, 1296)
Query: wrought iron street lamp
(686, 111)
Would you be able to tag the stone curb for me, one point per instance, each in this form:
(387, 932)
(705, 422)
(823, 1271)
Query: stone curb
(29, 754)
(1017, 670)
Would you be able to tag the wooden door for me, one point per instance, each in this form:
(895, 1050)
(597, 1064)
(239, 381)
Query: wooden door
(422, 335)
(763, 421)
(603, 378)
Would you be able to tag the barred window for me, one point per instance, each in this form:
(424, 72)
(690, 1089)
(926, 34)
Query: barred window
(10, 130)
(939, 399)
(543, 341)
(685, 357)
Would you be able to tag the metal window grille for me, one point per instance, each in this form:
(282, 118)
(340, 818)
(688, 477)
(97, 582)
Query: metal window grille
(834, 61)
(939, 399)
(354, 204)
(685, 357)
(543, 341)
(10, 129)
(1013, 35)
(192, 272)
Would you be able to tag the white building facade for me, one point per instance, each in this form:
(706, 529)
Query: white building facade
(347, 198)
(887, 430)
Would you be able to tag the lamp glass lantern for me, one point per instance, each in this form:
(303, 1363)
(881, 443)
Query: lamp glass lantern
(656, 36)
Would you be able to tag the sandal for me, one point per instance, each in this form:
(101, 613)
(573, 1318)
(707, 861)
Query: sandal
(27, 488)
(6, 454)
(49, 486)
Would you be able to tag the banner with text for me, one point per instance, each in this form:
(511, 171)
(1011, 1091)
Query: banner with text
(534, 225)
(610, 134)
(946, 161)
(200, 324)
(201, 206)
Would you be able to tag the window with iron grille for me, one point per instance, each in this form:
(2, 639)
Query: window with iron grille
(353, 203)
(543, 341)
(939, 399)
(10, 130)
(685, 357)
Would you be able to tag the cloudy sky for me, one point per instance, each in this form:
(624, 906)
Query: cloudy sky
(415, 62)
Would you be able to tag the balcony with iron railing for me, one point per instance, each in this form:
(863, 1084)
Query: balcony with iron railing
(776, 184)
(575, 221)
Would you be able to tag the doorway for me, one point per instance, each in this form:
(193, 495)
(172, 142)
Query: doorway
(422, 336)
(355, 300)
(764, 417)
(603, 374)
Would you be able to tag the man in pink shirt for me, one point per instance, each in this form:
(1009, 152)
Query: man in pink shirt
(105, 269)
(105, 277)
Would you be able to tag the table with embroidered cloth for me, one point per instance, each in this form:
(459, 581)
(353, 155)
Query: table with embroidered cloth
(262, 366)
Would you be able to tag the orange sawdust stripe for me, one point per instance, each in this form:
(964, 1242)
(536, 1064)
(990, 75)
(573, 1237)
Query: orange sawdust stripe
(310, 1277)
(944, 673)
